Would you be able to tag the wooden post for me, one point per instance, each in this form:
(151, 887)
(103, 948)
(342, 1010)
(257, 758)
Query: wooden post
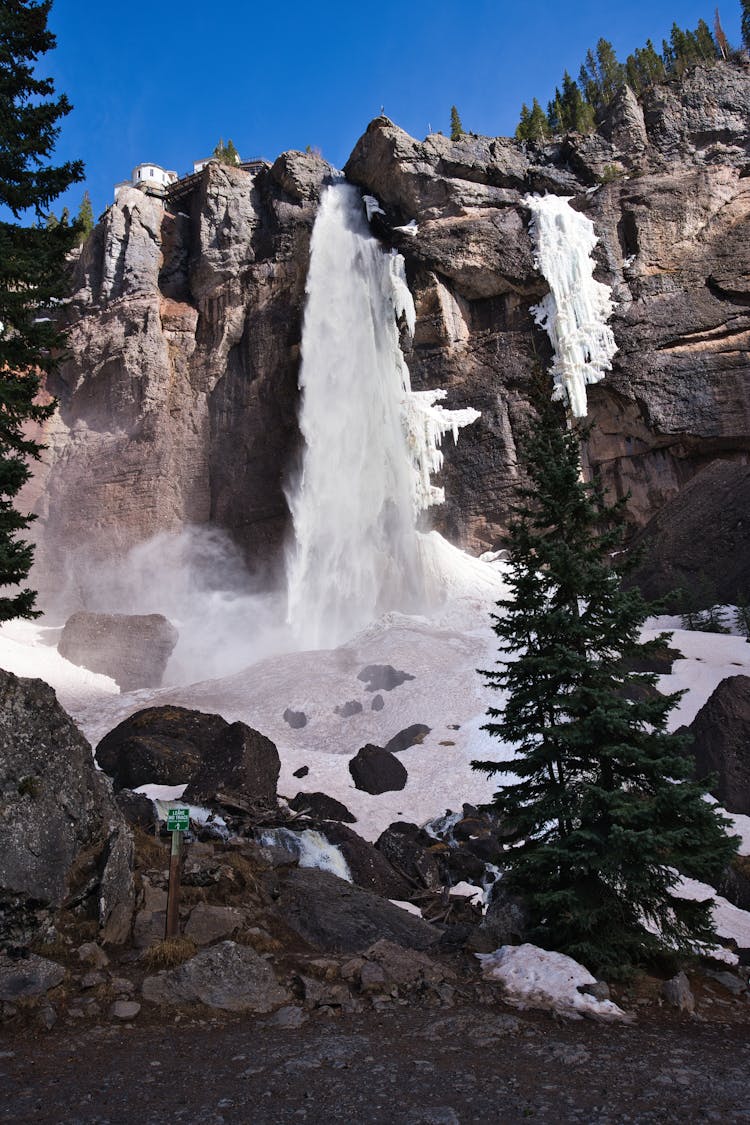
(173, 896)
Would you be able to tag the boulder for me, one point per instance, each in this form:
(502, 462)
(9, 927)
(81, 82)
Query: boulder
(678, 994)
(296, 719)
(375, 771)
(208, 924)
(382, 677)
(721, 743)
(62, 838)
(28, 976)
(406, 968)
(159, 745)
(321, 806)
(409, 736)
(138, 809)
(230, 977)
(243, 763)
(411, 851)
(334, 916)
(132, 649)
(369, 868)
(506, 919)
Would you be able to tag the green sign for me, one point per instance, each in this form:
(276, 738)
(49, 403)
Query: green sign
(178, 820)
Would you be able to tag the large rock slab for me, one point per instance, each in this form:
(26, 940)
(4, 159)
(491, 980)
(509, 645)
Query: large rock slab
(158, 745)
(22, 977)
(334, 916)
(233, 978)
(375, 770)
(62, 838)
(721, 743)
(132, 649)
(243, 763)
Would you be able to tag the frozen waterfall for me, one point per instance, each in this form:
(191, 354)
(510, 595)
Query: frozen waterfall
(576, 310)
(371, 444)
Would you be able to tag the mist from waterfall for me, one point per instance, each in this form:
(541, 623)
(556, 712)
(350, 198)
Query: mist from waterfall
(576, 310)
(371, 445)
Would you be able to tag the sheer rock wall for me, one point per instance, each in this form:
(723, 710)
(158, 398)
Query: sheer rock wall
(178, 404)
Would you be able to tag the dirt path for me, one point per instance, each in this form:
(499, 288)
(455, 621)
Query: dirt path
(406, 1066)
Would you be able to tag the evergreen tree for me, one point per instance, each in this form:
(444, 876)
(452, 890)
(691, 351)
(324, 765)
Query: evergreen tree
(32, 269)
(522, 128)
(745, 5)
(602, 798)
(742, 618)
(705, 42)
(226, 153)
(457, 129)
(85, 219)
(533, 125)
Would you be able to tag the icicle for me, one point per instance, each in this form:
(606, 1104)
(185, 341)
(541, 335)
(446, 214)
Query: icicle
(576, 310)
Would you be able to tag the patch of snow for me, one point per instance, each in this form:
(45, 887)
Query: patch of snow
(538, 978)
(707, 659)
(167, 794)
(731, 922)
(410, 907)
(468, 890)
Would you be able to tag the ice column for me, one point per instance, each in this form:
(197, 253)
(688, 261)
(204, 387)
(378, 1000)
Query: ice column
(576, 310)
(370, 443)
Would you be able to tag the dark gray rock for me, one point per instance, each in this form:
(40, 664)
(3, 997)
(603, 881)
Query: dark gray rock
(678, 994)
(27, 976)
(382, 677)
(158, 745)
(378, 703)
(335, 916)
(506, 918)
(346, 710)
(409, 736)
(413, 852)
(374, 770)
(62, 838)
(230, 977)
(721, 743)
(296, 719)
(369, 867)
(242, 763)
(303, 771)
(132, 649)
(321, 806)
(208, 923)
(138, 809)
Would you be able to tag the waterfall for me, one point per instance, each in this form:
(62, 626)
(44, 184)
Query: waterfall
(371, 444)
(576, 310)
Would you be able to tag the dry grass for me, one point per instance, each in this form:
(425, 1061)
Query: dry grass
(150, 852)
(169, 953)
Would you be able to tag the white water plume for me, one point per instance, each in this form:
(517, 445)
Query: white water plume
(576, 310)
(371, 444)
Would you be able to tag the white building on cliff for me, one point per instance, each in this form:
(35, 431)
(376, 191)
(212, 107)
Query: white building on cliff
(151, 178)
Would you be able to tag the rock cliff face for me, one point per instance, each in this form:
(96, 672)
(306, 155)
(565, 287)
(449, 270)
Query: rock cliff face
(178, 404)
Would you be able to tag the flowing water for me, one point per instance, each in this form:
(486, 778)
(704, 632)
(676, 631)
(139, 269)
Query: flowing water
(371, 444)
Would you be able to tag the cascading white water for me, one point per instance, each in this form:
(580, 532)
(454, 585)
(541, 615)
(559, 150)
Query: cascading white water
(371, 444)
(576, 310)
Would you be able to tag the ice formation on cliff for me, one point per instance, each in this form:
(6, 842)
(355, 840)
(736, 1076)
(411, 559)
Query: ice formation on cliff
(576, 310)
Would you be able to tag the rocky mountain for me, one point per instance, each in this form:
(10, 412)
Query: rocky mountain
(178, 402)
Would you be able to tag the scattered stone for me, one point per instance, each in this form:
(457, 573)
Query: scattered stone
(599, 990)
(62, 838)
(47, 1017)
(289, 1017)
(124, 1009)
(296, 719)
(227, 976)
(303, 771)
(121, 986)
(374, 770)
(410, 736)
(92, 954)
(678, 994)
(323, 993)
(132, 649)
(163, 745)
(346, 710)
(27, 976)
(378, 703)
(208, 924)
(382, 677)
(243, 763)
(372, 978)
(335, 916)
(92, 979)
(323, 806)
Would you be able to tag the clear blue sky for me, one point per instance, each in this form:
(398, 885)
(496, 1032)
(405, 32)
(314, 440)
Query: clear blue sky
(162, 82)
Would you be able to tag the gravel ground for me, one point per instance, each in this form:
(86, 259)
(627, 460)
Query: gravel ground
(405, 1066)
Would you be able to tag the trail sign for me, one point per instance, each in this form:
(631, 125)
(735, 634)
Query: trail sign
(178, 820)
